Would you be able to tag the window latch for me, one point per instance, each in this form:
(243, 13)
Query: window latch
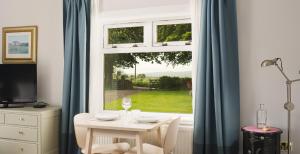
(164, 44)
(188, 43)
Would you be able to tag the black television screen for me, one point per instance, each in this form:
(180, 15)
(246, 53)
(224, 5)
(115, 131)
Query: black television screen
(18, 83)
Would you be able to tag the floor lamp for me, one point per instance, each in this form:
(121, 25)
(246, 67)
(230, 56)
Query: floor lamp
(289, 106)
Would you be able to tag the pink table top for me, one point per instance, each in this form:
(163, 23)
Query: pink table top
(254, 129)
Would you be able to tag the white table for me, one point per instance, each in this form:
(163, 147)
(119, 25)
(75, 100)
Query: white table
(119, 129)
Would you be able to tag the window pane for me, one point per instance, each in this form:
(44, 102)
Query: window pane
(126, 35)
(174, 32)
(155, 81)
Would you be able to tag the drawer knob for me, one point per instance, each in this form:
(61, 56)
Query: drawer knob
(22, 149)
(21, 119)
(21, 133)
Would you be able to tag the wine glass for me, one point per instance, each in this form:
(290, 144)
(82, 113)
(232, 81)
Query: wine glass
(126, 104)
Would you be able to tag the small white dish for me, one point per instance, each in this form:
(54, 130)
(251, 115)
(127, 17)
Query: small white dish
(147, 119)
(107, 116)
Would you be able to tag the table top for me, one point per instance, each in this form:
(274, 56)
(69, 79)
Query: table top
(88, 120)
(254, 129)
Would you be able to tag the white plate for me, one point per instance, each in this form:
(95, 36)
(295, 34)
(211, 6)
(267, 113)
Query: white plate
(107, 116)
(147, 119)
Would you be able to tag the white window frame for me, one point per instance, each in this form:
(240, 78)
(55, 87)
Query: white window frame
(143, 15)
(146, 46)
(170, 22)
(125, 25)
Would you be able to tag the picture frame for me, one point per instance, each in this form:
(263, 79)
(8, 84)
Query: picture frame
(19, 45)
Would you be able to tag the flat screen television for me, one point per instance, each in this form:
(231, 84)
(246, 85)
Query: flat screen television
(18, 84)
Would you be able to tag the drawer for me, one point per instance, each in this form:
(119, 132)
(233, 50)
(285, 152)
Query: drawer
(1, 118)
(11, 147)
(17, 133)
(21, 119)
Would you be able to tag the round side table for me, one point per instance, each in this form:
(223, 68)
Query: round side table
(258, 141)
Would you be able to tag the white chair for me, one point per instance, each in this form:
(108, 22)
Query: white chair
(168, 141)
(81, 132)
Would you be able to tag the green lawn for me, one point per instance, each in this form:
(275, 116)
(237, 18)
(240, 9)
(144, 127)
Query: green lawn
(157, 101)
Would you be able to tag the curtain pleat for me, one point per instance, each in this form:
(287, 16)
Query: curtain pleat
(76, 69)
(217, 102)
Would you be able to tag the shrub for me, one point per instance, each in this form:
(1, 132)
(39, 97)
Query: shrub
(169, 83)
(141, 83)
(173, 83)
(154, 83)
(124, 84)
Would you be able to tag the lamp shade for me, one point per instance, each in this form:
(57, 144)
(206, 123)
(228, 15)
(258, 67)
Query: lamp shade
(269, 62)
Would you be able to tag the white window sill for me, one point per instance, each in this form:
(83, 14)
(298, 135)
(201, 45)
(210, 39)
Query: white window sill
(187, 120)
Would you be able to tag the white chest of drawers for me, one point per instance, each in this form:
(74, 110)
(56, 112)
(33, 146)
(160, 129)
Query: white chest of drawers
(29, 130)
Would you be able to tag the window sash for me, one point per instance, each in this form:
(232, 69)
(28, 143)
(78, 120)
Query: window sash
(169, 22)
(103, 85)
(124, 45)
(150, 34)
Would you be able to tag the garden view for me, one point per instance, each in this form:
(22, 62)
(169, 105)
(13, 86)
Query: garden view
(155, 81)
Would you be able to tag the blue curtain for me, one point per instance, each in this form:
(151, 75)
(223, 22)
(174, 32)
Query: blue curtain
(217, 106)
(76, 69)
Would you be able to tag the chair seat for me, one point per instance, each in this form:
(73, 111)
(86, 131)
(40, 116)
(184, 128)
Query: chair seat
(117, 148)
(147, 149)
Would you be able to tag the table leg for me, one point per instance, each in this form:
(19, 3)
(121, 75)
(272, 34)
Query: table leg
(139, 144)
(159, 137)
(89, 141)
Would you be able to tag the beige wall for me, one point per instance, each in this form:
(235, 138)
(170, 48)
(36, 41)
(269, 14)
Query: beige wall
(268, 29)
(47, 15)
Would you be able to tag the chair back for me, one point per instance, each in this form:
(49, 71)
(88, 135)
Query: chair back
(170, 140)
(80, 132)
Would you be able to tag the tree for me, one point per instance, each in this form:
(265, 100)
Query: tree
(177, 32)
(126, 35)
(141, 76)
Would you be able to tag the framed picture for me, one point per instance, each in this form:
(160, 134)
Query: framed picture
(19, 44)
